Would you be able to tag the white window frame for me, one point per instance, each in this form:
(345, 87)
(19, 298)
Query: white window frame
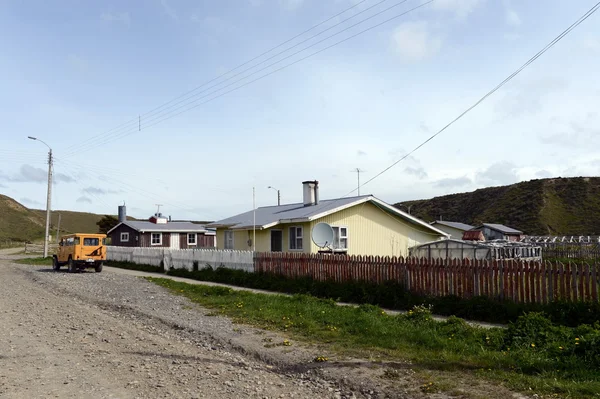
(297, 237)
(152, 239)
(225, 240)
(193, 244)
(336, 243)
(125, 236)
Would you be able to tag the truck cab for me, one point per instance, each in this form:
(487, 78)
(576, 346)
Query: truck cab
(80, 251)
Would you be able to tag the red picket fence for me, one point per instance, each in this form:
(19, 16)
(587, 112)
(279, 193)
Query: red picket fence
(519, 281)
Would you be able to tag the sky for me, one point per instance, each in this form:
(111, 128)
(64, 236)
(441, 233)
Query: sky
(179, 102)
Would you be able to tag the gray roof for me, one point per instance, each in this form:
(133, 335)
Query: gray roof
(456, 225)
(501, 228)
(269, 216)
(181, 227)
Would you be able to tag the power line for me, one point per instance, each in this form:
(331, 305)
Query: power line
(276, 70)
(488, 94)
(138, 119)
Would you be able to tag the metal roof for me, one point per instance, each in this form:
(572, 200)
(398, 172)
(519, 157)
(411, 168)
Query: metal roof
(270, 216)
(501, 228)
(175, 227)
(456, 225)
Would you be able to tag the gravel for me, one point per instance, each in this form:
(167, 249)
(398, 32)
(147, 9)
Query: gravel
(109, 335)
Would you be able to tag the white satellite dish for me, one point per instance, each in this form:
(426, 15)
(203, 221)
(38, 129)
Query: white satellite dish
(322, 235)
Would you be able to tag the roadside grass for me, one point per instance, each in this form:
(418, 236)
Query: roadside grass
(41, 261)
(531, 355)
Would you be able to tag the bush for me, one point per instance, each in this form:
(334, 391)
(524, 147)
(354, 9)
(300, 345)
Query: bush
(393, 295)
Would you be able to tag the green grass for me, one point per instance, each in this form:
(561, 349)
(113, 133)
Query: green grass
(504, 355)
(35, 261)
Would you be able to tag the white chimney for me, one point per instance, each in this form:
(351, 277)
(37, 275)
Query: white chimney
(311, 192)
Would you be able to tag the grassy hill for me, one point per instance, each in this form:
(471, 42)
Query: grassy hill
(18, 223)
(569, 206)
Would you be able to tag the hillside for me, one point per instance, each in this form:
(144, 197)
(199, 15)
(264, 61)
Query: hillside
(19, 223)
(569, 206)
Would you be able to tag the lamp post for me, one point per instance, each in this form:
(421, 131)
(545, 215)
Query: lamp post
(278, 195)
(48, 199)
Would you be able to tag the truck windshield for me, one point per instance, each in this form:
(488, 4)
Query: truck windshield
(88, 242)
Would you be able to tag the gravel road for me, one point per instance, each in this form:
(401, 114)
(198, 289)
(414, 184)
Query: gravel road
(108, 335)
(114, 335)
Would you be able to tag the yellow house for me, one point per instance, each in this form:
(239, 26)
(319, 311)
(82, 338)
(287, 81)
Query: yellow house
(362, 225)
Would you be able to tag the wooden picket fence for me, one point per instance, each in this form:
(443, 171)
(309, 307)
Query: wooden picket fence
(518, 281)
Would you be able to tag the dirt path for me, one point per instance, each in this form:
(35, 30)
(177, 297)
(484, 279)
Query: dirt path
(114, 335)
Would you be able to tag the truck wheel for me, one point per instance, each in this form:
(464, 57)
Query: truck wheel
(71, 264)
(98, 267)
(55, 265)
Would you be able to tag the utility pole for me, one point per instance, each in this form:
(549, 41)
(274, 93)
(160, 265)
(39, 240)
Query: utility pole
(254, 221)
(278, 195)
(58, 228)
(358, 171)
(49, 197)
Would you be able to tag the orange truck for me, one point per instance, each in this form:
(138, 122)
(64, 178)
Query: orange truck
(80, 251)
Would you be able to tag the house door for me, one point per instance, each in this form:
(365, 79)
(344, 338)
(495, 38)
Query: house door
(276, 240)
(175, 240)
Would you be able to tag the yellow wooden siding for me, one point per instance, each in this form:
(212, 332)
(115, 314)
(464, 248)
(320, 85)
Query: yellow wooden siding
(241, 237)
(374, 231)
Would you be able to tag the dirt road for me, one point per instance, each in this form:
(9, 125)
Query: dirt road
(105, 335)
(114, 335)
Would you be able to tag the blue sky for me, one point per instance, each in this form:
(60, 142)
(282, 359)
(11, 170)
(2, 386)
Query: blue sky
(72, 71)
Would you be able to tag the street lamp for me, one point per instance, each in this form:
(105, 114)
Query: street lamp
(48, 199)
(278, 195)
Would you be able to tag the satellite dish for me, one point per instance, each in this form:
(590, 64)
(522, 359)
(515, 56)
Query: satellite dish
(322, 235)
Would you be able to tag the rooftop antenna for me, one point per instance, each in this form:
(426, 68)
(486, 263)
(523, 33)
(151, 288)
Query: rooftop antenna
(158, 209)
(358, 172)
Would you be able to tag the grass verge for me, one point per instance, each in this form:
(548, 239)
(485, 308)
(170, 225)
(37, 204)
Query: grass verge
(531, 354)
(41, 261)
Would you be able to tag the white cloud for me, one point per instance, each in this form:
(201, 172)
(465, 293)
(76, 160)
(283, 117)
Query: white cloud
(512, 18)
(592, 43)
(291, 4)
(413, 41)
(30, 174)
(84, 200)
(453, 182)
(170, 11)
(500, 172)
(420, 172)
(361, 153)
(120, 17)
(462, 8)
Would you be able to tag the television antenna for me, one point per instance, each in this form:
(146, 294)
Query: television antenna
(358, 171)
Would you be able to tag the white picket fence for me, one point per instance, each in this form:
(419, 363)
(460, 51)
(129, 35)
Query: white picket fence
(183, 258)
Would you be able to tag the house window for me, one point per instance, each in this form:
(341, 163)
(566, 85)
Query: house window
(228, 239)
(296, 237)
(124, 237)
(192, 239)
(156, 239)
(340, 237)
